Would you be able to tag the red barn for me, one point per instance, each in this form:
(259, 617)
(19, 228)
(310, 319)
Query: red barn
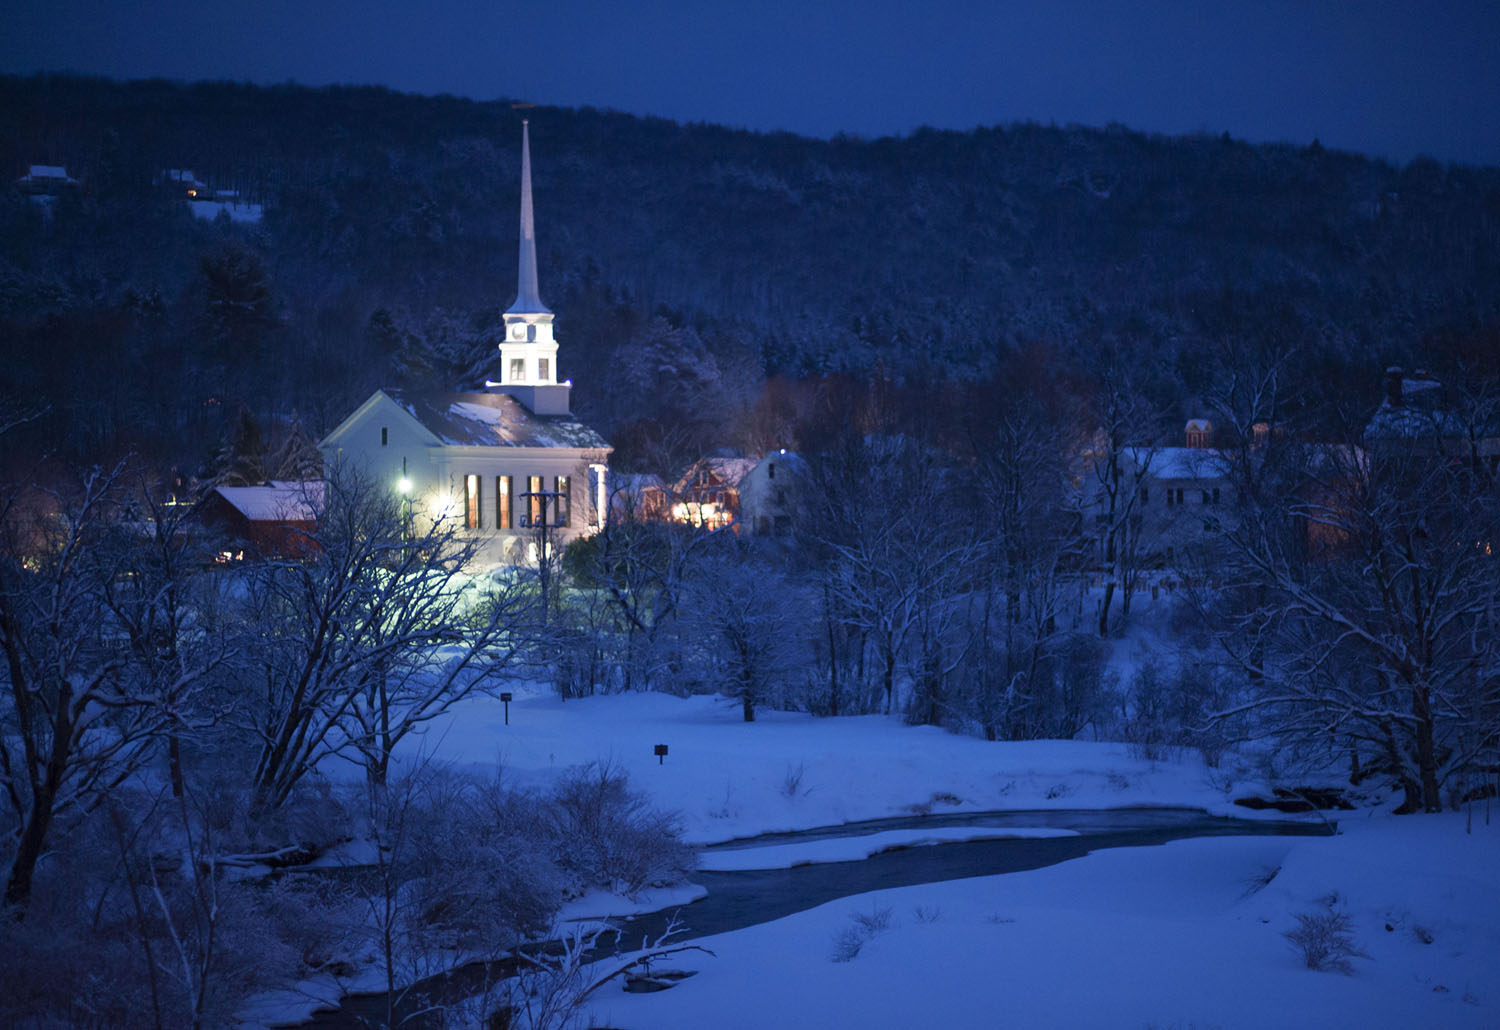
(271, 521)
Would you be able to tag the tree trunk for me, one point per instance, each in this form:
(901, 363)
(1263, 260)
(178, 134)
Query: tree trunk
(174, 764)
(1109, 596)
(889, 681)
(29, 849)
(833, 660)
(1421, 707)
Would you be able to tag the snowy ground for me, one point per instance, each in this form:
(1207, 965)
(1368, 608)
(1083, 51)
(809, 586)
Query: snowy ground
(784, 771)
(1175, 936)
(1184, 935)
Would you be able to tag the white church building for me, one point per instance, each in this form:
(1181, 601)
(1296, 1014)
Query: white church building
(503, 462)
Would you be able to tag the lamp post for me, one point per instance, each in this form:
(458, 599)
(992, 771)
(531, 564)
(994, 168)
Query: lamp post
(404, 485)
(543, 526)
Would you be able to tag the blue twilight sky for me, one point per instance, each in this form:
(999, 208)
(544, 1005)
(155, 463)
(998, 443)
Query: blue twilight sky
(1395, 79)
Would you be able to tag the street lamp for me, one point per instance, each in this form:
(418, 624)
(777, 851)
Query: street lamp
(404, 485)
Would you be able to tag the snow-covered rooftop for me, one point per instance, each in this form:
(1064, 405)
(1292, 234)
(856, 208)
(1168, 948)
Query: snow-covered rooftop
(277, 501)
(731, 471)
(495, 420)
(1176, 462)
(1403, 421)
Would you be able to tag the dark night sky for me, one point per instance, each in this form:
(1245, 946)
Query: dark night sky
(1394, 79)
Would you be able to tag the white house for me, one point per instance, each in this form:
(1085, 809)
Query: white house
(504, 461)
(1177, 499)
(770, 493)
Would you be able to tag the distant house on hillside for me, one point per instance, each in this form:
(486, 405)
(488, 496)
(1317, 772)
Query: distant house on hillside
(275, 520)
(46, 180)
(204, 200)
(183, 183)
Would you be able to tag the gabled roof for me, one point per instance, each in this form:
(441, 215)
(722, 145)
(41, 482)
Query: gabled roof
(1401, 421)
(277, 501)
(1176, 462)
(791, 459)
(494, 420)
(729, 471)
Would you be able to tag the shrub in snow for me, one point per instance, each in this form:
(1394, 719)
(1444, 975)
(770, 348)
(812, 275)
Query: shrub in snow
(113, 935)
(1325, 940)
(849, 941)
(607, 834)
(1148, 727)
(791, 782)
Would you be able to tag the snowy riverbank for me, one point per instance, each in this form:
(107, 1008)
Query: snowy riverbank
(1184, 935)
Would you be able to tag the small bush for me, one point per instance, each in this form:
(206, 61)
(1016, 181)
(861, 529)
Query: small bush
(849, 941)
(791, 782)
(607, 834)
(1325, 940)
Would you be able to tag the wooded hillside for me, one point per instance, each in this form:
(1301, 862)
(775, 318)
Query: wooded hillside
(687, 259)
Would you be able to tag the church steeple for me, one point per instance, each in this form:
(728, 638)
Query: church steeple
(528, 353)
(528, 300)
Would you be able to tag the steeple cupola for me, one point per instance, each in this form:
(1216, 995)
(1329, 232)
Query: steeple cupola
(528, 354)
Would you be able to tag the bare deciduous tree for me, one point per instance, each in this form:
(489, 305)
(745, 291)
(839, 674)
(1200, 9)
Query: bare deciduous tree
(375, 633)
(73, 725)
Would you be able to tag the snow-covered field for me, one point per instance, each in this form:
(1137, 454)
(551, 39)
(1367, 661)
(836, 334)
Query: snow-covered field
(1184, 935)
(785, 771)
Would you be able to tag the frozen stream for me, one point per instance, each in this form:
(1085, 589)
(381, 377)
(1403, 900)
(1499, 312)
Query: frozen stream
(747, 897)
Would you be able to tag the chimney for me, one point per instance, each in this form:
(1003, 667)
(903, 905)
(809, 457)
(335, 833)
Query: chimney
(1393, 378)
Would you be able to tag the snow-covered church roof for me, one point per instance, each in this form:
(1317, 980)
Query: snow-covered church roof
(494, 420)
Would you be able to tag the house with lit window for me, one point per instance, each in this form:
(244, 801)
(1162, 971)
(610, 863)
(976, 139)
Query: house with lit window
(509, 462)
(708, 494)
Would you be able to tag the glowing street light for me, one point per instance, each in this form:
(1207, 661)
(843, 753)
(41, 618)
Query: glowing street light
(404, 485)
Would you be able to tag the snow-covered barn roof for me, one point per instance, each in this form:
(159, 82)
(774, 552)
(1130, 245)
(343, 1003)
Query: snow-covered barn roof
(277, 501)
(494, 420)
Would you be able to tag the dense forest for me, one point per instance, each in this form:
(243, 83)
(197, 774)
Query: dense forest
(687, 263)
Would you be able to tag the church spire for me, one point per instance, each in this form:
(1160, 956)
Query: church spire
(528, 301)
